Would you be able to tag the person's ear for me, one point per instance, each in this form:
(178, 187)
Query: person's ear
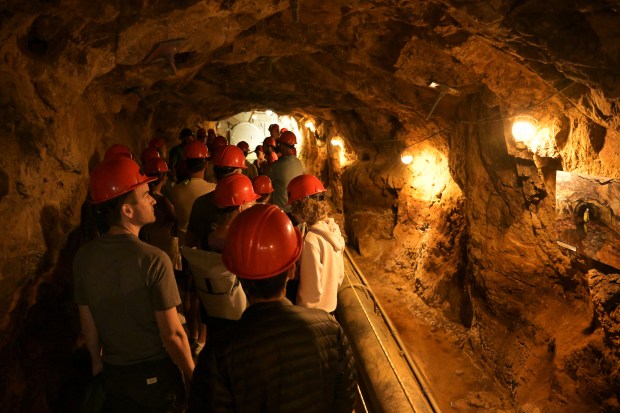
(127, 210)
(290, 274)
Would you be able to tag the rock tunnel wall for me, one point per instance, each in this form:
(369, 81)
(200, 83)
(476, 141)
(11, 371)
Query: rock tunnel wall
(469, 224)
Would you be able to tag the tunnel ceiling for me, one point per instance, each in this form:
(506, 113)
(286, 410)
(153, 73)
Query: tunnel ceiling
(376, 58)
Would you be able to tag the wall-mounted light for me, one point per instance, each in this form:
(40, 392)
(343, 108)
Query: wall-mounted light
(524, 128)
(268, 112)
(339, 149)
(406, 158)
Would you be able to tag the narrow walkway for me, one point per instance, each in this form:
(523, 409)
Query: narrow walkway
(438, 346)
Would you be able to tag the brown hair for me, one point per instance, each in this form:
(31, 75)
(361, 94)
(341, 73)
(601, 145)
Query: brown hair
(109, 213)
(312, 209)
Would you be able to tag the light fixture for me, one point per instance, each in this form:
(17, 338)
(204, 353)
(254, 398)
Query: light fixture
(339, 150)
(268, 112)
(406, 158)
(433, 85)
(310, 125)
(524, 128)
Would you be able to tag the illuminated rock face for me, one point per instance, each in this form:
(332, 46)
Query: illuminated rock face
(469, 223)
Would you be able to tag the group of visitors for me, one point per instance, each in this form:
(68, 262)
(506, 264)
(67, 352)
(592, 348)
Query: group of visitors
(204, 254)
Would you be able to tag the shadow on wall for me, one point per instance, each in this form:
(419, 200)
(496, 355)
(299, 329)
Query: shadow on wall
(45, 364)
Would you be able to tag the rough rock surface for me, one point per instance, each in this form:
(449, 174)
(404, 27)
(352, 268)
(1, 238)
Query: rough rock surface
(469, 224)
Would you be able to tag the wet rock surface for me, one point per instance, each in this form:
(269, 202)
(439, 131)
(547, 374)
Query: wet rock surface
(469, 225)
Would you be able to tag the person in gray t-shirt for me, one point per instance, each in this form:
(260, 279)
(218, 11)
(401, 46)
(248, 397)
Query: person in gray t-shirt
(287, 167)
(127, 297)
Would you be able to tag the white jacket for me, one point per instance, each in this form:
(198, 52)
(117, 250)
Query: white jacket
(321, 266)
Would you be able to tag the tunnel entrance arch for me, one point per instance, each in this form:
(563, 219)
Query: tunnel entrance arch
(253, 127)
(597, 212)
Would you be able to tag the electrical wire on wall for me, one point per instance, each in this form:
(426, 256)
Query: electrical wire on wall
(475, 122)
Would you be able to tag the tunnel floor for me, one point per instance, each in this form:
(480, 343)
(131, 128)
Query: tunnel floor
(438, 346)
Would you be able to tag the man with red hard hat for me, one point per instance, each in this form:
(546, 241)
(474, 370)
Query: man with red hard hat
(223, 300)
(185, 193)
(183, 196)
(284, 170)
(261, 162)
(226, 161)
(127, 298)
(250, 170)
(269, 148)
(278, 357)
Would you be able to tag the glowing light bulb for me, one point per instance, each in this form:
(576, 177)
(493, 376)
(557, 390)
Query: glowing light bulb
(524, 128)
(268, 112)
(406, 159)
(433, 85)
(339, 150)
(310, 125)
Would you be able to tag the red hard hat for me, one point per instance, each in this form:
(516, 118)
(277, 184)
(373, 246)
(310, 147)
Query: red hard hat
(157, 143)
(262, 243)
(117, 151)
(149, 153)
(115, 177)
(283, 130)
(196, 150)
(302, 186)
(244, 146)
(269, 141)
(273, 125)
(288, 138)
(262, 185)
(234, 190)
(155, 166)
(229, 156)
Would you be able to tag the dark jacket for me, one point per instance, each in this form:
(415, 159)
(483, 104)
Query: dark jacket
(277, 358)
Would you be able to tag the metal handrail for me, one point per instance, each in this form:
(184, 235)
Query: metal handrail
(417, 372)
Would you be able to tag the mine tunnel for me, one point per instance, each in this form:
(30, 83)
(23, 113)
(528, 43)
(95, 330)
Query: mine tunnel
(454, 139)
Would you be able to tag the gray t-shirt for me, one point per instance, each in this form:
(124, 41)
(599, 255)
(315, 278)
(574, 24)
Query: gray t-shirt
(281, 173)
(124, 281)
